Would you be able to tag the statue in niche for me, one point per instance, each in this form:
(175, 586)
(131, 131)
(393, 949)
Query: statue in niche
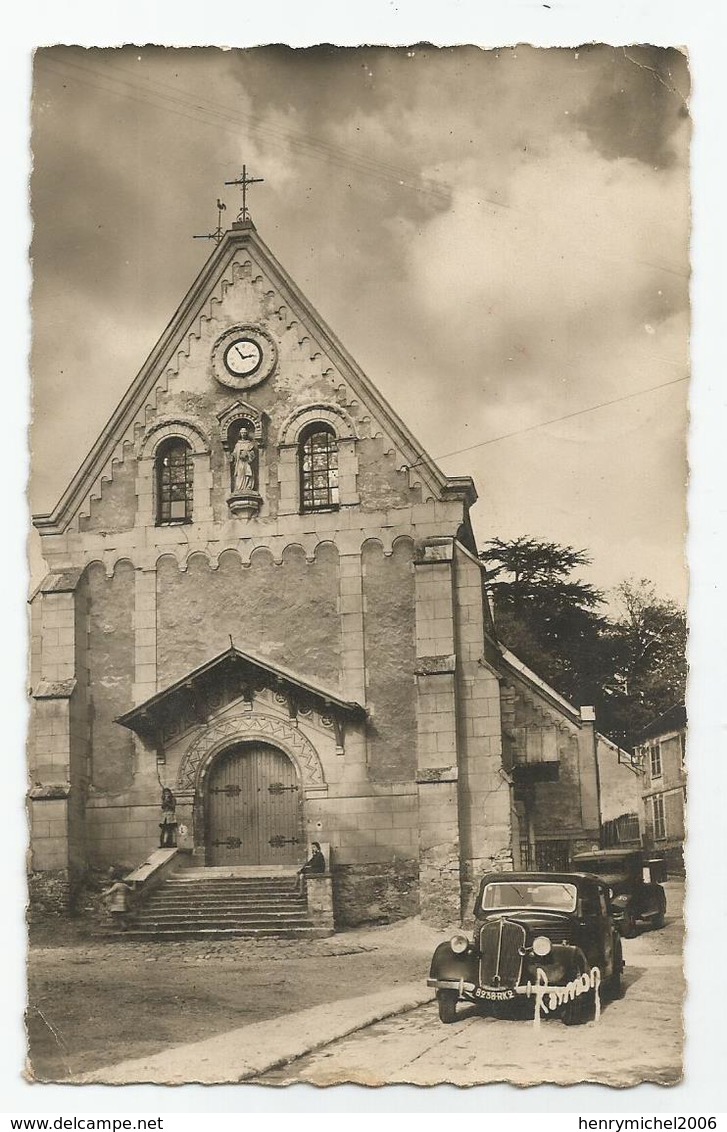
(242, 459)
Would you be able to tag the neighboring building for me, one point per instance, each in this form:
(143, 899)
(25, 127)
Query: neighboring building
(569, 781)
(661, 748)
(264, 594)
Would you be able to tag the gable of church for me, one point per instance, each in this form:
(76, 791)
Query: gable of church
(246, 359)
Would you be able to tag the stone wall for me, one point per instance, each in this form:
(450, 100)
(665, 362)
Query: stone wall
(381, 485)
(79, 722)
(286, 613)
(50, 892)
(110, 663)
(115, 509)
(484, 794)
(48, 829)
(365, 828)
(388, 590)
(437, 726)
(620, 784)
(54, 876)
(122, 831)
(375, 893)
(319, 891)
(534, 730)
(558, 804)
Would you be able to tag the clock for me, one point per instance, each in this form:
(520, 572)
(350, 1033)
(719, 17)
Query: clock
(244, 356)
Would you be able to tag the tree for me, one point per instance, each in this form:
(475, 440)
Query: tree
(647, 641)
(631, 666)
(545, 615)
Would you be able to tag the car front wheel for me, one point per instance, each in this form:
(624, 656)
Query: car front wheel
(580, 1010)
(447, 1004)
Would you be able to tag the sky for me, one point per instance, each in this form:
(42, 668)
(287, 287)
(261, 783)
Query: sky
(500, 238)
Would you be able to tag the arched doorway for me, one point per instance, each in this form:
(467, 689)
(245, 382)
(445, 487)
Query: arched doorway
(253, 808)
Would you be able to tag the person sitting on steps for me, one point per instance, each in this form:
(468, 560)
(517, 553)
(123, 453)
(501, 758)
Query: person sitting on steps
(316, 863)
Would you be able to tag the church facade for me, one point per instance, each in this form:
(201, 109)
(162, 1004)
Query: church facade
(263, 594)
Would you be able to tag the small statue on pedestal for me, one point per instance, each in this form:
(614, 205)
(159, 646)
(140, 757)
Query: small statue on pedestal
(243, 463)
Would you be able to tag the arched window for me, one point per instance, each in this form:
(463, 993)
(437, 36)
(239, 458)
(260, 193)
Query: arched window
(318, 458)
(175, 481)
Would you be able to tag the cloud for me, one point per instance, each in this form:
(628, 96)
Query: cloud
(489, 233)
(534, 292)
(638, 106)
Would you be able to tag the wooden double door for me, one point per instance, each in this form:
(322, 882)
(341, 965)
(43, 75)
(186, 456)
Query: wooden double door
(253, 808)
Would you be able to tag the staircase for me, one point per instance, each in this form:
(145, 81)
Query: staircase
(222, 903)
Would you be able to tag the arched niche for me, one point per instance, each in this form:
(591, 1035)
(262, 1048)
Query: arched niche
(246, 728)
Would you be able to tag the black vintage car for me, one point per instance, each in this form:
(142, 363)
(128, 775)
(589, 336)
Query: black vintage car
(547, 938)
(633, 881)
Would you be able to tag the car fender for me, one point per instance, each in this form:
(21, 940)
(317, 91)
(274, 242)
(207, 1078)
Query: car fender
(558, 965)
(655, 896)
(447, 965)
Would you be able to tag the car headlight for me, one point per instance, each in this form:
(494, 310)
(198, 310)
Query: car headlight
(459, 943)
(542, 946)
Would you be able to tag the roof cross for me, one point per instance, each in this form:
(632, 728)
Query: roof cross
(243, 181)
(218, 233)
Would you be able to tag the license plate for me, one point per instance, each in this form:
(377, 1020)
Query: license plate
(494, 995)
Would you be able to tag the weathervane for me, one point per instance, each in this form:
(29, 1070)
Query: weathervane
(243, 181)
(219, 231)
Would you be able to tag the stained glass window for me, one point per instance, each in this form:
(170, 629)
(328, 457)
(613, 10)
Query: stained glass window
(318, 468)
(175, 482)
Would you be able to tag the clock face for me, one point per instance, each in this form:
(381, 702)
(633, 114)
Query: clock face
(243, 357)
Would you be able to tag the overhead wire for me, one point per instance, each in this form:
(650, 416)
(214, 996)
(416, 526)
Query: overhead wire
(196, 109)
(553, 420)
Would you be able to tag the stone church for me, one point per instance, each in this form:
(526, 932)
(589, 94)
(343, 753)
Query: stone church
(263, 594)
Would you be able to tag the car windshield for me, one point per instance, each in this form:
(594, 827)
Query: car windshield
(522, 893)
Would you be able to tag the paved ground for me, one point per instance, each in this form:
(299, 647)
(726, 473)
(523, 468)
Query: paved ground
(639, 1037)
(99, 1003)
(125, 1011)
(245, 1054)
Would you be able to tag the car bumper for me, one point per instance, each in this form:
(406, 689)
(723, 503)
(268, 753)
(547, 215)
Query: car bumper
(470, 992)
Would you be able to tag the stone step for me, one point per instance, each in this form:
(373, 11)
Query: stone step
(204, 903)
(167, 935)
(244, 909)
(228, 886)
(214, 876)
(193, 915)
(241, 872)
(222, 910)
(221, 926)
(204, 898)
(248, 897)
(214, 886)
